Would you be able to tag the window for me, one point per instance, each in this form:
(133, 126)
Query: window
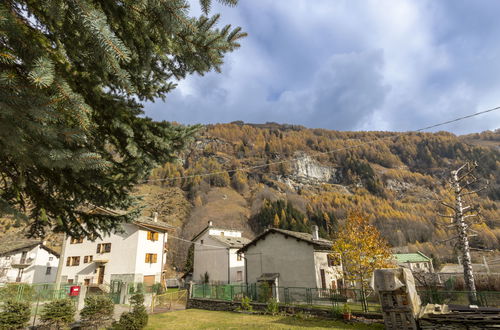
(201, 241)
(51, 258)
(76, 240)
(152, 236)
(48, 270)
(323, 278)
(73, 261)
(333, 260)
(103, 248)
(7, 258)
(239, 276)
(151, 258)
(70, 281)
(239, 257)
(222, 233)
(88, 259)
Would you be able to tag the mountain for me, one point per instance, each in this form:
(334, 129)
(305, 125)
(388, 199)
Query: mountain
(295, 177)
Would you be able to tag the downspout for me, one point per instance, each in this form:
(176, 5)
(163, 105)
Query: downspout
(228, 265)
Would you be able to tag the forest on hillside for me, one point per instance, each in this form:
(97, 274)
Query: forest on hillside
(295, 177)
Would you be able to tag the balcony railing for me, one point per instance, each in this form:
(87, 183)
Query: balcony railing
(21, 263)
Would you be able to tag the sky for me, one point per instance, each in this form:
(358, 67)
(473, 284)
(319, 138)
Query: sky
(393, 65)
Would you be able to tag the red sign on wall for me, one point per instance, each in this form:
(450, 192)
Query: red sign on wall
(74, 290)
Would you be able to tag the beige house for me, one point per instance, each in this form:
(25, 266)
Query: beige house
(416, 262)
(215, 255)
(285, 258)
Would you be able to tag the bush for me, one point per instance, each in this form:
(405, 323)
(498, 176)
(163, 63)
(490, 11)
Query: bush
(245, 304)
(98, 311)
(58, 313)
(15, 315)
(264, 292)
(272, 307)
(135, 320)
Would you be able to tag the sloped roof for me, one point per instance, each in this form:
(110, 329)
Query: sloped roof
(411, 257)
(13, 243)
(229, 241)
(319, 244)
(151, 223)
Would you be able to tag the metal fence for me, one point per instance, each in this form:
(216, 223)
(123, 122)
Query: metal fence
(33, 293)
(326, 298)
(322, 298)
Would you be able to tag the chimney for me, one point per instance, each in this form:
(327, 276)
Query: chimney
(315, 232)
(210, 223)
(155, 216)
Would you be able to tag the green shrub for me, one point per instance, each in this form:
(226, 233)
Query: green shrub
(272, 307)
(135, 320)
(15, 315)
(245, 304)
(58, 313)
(336, 312)
(264, 292)
(98, 311)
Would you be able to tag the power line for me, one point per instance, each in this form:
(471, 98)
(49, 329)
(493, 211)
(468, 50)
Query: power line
(191, 242)
(243, 169)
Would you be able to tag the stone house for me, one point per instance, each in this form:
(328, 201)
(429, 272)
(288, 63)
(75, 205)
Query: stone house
(285, 258)
(215, 254)
(416, 262)
(27, 261)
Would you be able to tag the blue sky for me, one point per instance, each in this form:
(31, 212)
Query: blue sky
(351, 65)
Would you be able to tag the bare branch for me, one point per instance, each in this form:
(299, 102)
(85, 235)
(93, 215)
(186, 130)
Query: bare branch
(447, 205)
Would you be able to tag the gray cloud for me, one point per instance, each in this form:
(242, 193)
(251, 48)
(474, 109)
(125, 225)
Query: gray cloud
(380, 65)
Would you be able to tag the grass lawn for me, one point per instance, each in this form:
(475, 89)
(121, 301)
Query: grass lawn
(202, 319)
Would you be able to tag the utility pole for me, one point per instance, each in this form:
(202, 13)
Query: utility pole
(461, 180)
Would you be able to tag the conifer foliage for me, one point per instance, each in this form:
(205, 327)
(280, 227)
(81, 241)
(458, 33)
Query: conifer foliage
(72, 74)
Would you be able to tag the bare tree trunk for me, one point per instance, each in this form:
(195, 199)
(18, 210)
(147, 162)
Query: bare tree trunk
(464, 240)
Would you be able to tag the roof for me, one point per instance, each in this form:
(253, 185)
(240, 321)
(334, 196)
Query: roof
(211, 227)
(15, 243)
(229, 241)
(411, 257)
(319, 244)
(268, 277)
(151, 223)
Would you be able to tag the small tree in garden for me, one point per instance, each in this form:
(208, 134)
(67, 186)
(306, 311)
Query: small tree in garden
(14, 315)
(97, 312)
(362, 250)
(135, 320)
(58, 314)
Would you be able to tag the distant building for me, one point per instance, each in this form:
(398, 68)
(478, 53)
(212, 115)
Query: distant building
(285, 258)
(215, 254)
(416, 262)
(27, 261)
(135, 255)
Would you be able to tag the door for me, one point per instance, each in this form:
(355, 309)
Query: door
(149, 280)
(323, 278)
(100, 274)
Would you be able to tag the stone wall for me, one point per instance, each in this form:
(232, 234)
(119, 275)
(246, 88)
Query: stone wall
(222, 305)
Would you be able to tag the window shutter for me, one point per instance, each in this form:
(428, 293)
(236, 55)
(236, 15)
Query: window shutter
(149, 235)
(155, 236)
(147, 257)
(107, 247)
(155, 258)
(98, 248)
(68, 261)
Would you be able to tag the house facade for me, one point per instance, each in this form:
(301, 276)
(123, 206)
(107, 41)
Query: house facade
(285, 258)
(416, 262)
(215, 254)
(27, 261)
(136, 255)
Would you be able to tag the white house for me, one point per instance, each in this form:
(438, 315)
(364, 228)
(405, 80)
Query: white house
(27, 261)
(137, 255)
(215, 254)
(416, 262)
(285, 258)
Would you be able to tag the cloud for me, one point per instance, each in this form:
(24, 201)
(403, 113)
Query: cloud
(374, 65)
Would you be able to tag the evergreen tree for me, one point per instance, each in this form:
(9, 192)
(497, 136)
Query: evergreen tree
(72, 76)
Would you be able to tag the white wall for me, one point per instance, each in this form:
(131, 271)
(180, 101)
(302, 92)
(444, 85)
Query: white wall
(127, 256)
(35, 272)
(236, 266)
(291, 258)
(224, 232)
(211, 257)
(331, 273)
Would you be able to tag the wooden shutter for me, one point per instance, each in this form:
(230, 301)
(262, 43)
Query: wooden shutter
(147, 257)
(149, 235)
(107, 247)
(98, 248)
(68, 261)
(85, 259)
(76, 262)
(155, 236)
(155, 258)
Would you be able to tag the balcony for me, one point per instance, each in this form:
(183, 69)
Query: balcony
(21, 263)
